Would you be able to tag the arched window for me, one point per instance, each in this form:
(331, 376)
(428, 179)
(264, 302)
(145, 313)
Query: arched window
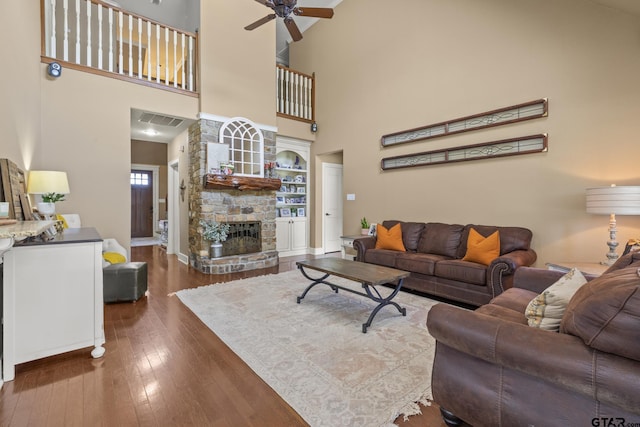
(246, 146)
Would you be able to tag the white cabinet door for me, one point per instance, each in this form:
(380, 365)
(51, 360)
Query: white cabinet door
(283, 235)
(298, 234)
(292, 236)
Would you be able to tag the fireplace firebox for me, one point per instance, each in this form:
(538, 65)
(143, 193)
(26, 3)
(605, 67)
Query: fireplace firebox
(243, 238)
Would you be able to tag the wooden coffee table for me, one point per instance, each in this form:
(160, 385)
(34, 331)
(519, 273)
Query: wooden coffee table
(369, 275)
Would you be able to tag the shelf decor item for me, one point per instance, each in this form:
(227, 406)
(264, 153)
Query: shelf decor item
(216, 233)
(364, 226)
(269, 169)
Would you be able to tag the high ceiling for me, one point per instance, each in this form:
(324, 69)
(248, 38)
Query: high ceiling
(184, 14)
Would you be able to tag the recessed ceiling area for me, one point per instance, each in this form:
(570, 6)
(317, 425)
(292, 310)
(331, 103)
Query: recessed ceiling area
(156, 127)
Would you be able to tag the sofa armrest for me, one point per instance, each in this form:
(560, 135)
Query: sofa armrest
(362, 245)
(501, 270)
(561, 359)
(538, 279)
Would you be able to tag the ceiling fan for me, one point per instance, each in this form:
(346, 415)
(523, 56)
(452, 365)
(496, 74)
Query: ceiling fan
(283, 9)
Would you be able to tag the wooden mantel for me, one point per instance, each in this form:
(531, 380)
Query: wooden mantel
(242, 183)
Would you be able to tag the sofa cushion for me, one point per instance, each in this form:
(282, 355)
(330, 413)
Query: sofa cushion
(417, 262)
(440, 239)
(384, 257)
(464, 271)
(515, 299)
(411, 232)
(113, 257)
(511, 238)
(545, 311)
(389, 238)
(605, 313)
(482, 249)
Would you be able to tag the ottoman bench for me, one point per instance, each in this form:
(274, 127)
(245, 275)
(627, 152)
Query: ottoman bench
(124, 281)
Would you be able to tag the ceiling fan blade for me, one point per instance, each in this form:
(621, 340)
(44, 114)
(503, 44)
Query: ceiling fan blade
(260, 22)
(264, 2)
(315, 12)
(293, 29)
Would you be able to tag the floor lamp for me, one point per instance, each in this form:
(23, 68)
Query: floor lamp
(612, 201)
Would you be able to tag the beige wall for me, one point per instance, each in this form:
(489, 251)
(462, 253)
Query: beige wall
(295, 128)
(20, 82)
(239, 65)
(430, 61)
(85, 123)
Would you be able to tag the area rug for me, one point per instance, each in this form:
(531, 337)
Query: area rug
(314, 354)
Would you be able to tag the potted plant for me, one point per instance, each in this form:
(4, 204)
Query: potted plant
(48, 204)
(216, 233)
(364, 225)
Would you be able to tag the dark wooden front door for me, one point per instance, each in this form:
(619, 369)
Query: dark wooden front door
(141, 203)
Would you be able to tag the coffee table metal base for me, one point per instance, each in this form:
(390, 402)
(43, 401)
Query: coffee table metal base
(368, 288)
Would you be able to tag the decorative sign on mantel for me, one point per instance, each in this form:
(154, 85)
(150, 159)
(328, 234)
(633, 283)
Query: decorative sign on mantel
(242, 183)
(502, 148)
(501, 116)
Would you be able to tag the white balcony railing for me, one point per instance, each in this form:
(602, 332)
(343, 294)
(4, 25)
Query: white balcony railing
(92, 34)
(295, 94)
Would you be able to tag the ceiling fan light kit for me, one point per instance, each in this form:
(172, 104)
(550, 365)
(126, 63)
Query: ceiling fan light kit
(283, 9)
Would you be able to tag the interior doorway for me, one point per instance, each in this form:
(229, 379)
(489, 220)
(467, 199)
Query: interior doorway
(144, 200)
(332, 209)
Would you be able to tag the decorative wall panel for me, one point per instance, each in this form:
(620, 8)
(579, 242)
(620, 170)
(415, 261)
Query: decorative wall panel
(502, 148)
(502, 116)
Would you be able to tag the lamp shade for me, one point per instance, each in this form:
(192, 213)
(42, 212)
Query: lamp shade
(42, 182)
(622, 200)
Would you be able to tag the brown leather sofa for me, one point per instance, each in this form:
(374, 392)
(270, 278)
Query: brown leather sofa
(492, 369)
(434, 253)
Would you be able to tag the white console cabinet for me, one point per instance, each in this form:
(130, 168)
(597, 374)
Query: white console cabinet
(53, 298)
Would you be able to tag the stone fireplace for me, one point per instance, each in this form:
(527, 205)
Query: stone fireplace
(252, 213)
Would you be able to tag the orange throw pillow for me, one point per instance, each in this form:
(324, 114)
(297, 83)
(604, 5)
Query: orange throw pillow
(389, 239)
(480, 249)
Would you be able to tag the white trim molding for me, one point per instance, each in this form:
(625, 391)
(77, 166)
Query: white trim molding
(223, 119)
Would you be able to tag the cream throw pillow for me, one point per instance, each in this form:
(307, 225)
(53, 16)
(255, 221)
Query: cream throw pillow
(546, 310)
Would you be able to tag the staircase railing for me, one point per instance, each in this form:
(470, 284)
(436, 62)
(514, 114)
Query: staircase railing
(295, 94)
(92, 35)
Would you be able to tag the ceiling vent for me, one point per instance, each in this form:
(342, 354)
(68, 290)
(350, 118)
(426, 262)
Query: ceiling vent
(156, 1)
(160, 120)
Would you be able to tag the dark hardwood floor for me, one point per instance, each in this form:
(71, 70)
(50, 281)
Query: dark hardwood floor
(162, 366)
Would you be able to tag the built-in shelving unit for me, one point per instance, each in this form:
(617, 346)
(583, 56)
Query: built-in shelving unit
(292, 198)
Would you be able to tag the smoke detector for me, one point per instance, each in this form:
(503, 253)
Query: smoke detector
(156, 1)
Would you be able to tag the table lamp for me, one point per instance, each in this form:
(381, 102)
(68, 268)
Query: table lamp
(612, 201)
(52, 185)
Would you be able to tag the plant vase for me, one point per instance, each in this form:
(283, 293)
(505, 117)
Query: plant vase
(215, 250)
(46, 208)
(364, 231)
